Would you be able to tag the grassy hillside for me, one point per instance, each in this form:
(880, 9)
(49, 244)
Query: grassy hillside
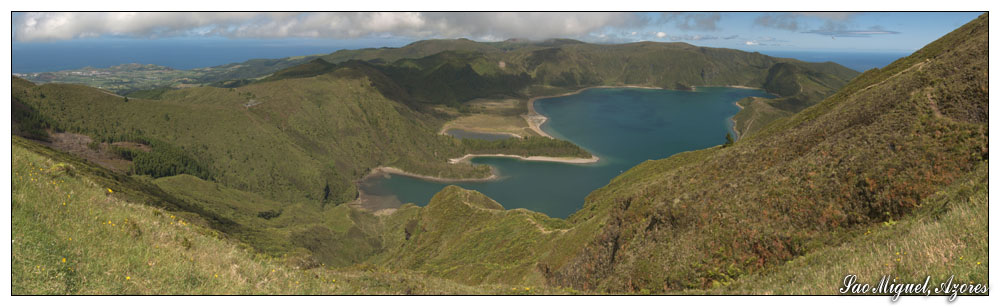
(313, 136)
(946, 236)
(872, 153)
(72, 234)
(273, 159)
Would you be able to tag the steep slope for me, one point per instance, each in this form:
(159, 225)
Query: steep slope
(945, 237)
(871, 153)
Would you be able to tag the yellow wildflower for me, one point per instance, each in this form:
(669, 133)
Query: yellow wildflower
(216, 275)
(128, 277)
(64, 260)
(110, 191)
(978, 263)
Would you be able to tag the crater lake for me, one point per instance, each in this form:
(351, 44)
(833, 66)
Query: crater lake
(622, 126)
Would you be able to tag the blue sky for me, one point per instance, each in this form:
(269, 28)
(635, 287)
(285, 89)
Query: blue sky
(54, 39)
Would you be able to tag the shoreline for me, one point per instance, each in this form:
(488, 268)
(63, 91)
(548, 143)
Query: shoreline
(365, 201)
(592, 159)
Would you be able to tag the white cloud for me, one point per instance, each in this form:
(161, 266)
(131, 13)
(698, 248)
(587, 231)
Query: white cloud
(661, 34)
(61, 26)
(752, 43)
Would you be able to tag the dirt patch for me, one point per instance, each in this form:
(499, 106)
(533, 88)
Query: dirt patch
(79, 145)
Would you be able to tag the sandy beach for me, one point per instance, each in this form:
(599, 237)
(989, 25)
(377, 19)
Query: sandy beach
(592, 159)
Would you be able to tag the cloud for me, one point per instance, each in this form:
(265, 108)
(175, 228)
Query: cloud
(778, 21)
(661, 34)
(835, 24)
(839, 16)
(62, 26)
(687, 37)
(793, 21)
(693, 21)
(765, 41)
(841, 30)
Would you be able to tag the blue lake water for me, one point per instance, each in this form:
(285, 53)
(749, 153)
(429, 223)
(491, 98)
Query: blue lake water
(622, 126)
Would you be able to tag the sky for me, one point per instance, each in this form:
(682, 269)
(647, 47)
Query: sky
(319, 32)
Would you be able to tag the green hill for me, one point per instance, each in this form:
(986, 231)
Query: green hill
(455, 71)
(76, 232)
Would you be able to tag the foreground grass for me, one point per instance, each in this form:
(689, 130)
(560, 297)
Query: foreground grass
(947, 237)
(71, 235)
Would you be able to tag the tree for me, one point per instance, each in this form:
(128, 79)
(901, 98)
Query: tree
(729, 140)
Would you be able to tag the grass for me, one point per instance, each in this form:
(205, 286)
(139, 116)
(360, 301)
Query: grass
(492, 116)
(755, 114)
(868, 155)
(945, 237)
(71, 235)
(488, 123)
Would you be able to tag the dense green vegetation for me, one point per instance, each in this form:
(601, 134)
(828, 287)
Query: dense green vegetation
(528, 146)
(897, 155)
(307, 133)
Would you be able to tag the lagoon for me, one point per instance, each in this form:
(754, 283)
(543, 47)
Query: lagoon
(622, 126)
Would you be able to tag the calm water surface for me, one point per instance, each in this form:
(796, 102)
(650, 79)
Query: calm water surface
(622, 126)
